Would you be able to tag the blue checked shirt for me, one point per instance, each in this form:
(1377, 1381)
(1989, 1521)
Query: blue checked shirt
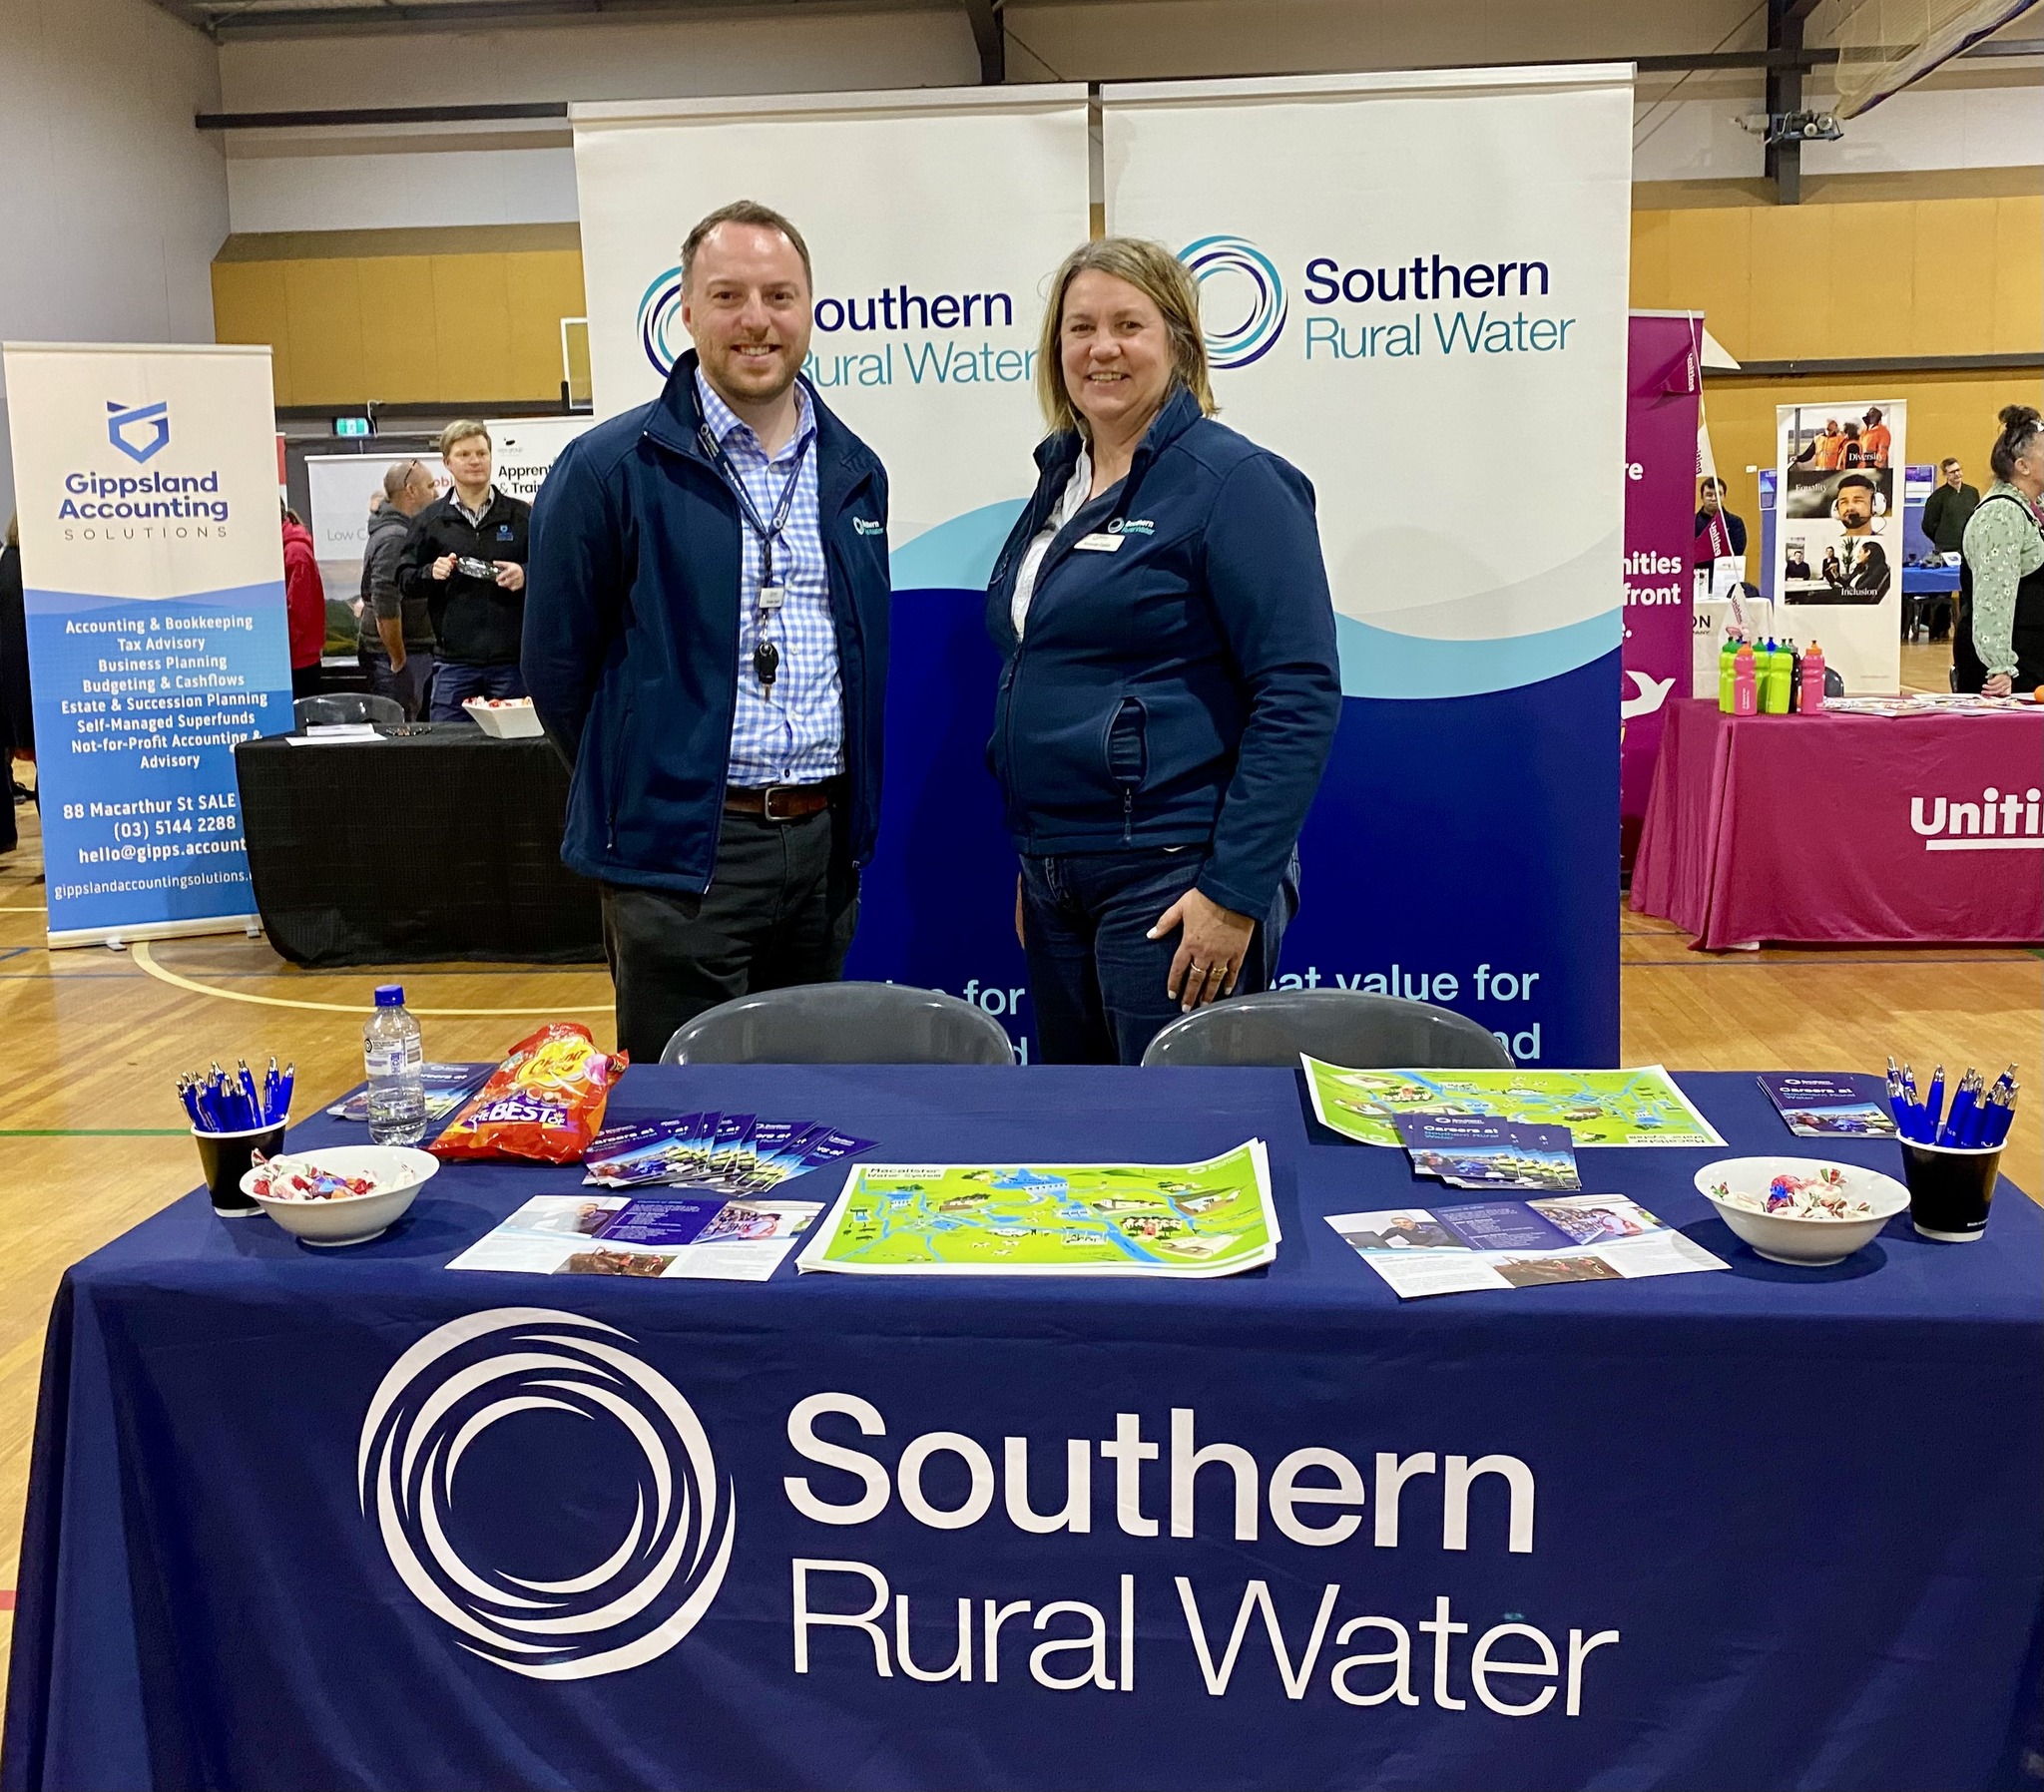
(792, 734)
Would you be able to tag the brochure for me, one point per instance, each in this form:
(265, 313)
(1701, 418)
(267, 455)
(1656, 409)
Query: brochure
(1157, 1219)
(735, 1154)
(1518, 1244)
(1641, 1106)
(1831, 1106)
(1466, 1150)
(447, 1086)
(701, 1239)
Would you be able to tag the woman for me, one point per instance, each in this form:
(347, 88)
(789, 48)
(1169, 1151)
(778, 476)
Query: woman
(305, 599)
(1169, 688)
(1998, 638)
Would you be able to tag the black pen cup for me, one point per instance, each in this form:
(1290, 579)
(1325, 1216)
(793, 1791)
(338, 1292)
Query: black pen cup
(225, 1157)
(1950, 1189)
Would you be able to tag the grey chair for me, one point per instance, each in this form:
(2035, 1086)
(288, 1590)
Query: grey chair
(1342, 1027)
(344, 707)
(841, 1023)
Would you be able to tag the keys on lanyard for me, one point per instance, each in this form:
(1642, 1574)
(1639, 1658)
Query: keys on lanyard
(766, 655)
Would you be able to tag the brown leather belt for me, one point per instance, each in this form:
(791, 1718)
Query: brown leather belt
(781, 803)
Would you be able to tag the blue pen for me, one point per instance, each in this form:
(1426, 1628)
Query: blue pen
(290, 1078)
(255, 1101)
(1933, 1100)
(1967, 1137)
(189, 1097)
(270, 1083)
(2004, 1117)
(1963, 1106)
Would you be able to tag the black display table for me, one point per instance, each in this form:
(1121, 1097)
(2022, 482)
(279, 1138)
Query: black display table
(437, 843)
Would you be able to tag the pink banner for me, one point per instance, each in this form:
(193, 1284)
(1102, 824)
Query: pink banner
(1663, 375)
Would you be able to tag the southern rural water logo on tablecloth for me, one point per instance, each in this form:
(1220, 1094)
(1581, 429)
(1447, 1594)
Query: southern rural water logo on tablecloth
(446, 1392)
(634, 1591)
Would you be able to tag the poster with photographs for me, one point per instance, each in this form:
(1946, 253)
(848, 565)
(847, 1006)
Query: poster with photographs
(1838, 535)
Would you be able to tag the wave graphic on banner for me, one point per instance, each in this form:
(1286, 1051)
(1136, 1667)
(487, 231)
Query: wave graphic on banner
(445, 1392)
(957, 554)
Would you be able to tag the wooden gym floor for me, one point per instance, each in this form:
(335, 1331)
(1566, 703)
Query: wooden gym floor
(95, 1142)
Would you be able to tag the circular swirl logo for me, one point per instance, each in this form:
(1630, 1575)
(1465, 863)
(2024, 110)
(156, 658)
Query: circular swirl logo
(636, 1602)
(660, 320)
(1246, 274)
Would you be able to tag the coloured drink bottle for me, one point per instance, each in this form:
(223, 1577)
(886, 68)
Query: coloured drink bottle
(1812, 680)
(1775, 695)
(1745, 695)
(1725, 670)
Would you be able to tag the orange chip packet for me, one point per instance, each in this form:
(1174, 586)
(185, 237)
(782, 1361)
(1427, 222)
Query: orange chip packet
(544, 1102)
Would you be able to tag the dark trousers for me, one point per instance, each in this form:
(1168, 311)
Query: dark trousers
(407, 686)
(780, 909)
(457, 681)
(307, 680)
(1097, 983)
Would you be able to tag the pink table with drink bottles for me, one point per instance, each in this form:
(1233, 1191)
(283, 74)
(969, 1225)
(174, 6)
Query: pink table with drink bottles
(1845, 829)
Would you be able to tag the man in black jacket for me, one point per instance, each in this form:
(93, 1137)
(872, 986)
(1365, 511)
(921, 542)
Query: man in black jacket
(465, 556)
(396, 641)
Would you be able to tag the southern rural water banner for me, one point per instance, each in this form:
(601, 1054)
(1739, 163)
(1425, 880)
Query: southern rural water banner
(1415, 288)
(1663, 381)
(1837, 549)
(935, 218)
(153, 566)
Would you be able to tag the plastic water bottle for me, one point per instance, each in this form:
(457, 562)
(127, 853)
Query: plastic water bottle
(392, 1053)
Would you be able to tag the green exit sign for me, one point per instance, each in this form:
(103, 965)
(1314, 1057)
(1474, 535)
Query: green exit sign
(350, 426)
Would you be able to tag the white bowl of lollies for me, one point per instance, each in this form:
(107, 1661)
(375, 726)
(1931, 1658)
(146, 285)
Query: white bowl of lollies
(339, 1194)
(507, 717)
(1802, 1210)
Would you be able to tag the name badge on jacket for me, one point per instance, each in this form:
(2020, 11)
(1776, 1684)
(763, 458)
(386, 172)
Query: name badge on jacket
(1098, 544)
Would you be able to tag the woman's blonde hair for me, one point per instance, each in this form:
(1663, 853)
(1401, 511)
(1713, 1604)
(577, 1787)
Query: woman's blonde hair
(1152, 270)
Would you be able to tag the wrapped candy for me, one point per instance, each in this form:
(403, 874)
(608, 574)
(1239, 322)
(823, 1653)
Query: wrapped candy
(300, 1179)
(544, 1102)
(1819, 1196)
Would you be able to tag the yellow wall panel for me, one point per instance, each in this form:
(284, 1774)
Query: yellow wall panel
(1873, 296)
(1955, 282)
(1793, 277)
(544, 288)
(2018, 272)
(472, 326)
(1709, 258)
(325, 302)
(1650, 263)
(400, 348)
(248, 306)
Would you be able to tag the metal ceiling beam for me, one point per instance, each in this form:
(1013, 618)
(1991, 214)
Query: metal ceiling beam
(379, 114)
(989, 39)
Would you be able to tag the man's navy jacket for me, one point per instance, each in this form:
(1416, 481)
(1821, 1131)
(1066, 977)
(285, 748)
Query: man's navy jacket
(1182, 689)
(631, 634)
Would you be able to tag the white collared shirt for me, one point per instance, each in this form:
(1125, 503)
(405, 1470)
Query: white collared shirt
(1062, 512)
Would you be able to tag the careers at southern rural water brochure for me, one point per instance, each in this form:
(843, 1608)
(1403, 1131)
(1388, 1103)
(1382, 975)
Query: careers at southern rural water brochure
(677, 1238)
(1642, 1107)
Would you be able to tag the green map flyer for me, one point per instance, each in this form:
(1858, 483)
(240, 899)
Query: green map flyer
(1641, 1106)
(1160, 1219)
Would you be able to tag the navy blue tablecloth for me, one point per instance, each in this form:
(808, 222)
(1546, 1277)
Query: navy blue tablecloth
(1757, 1528)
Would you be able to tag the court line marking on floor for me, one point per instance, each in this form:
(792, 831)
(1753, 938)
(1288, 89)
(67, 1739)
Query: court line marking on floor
(94, 1133)
(141, 955)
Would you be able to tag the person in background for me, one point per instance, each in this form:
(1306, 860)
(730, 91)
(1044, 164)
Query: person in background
(1874, 440)
(305, 601)
(1853, 454)
(1719, 531)
(1998, 638)
(17, 719)
(1852, 505)
(464, 559)
(1865, 570)
(1949, 507)
(396, 642)
(1170, 690)
(1826, 450)
(708, 648)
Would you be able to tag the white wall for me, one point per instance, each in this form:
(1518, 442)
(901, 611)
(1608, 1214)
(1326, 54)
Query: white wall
(111, 205)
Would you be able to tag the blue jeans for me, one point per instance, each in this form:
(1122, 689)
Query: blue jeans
(457, 681)
(1098, 984)
(407, 687)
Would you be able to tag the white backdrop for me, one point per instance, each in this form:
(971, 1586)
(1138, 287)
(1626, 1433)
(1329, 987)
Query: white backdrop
(1466, 446)
(935, 218)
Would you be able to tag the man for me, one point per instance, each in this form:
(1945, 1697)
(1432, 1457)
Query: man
(1948, 509)
(396, 645)
(1827, 450)
(1876, 440)
(1852, 504)
(1719, 532)
(465, 561)
(707, 647)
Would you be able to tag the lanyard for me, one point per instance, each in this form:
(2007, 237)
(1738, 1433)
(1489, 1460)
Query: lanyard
(768, 531)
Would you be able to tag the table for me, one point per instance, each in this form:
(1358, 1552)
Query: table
(1929, 594)
(1844, 829)
(439, 844)
(1805, 1502)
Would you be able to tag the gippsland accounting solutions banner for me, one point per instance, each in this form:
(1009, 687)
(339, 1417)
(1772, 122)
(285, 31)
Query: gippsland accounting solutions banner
(152, 563)
(935, 218)
(1413, 288)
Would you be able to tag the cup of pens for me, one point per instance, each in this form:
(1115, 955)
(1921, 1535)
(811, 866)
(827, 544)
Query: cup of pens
(1952, 1160)
(233, 1118)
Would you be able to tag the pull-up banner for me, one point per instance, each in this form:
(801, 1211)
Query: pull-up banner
(153, 563)
(935, 218)
(1413, 288)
